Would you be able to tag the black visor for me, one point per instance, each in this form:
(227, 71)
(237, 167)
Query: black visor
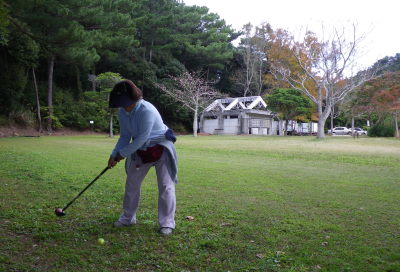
(120, 97)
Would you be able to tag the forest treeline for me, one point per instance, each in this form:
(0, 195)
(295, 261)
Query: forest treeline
(53, 51)
(65, 42)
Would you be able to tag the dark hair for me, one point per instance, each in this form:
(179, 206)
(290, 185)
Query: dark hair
(127, 86)
(124, 94)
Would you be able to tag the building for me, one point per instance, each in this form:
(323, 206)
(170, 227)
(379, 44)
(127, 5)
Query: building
(247, 115)
(241, 115)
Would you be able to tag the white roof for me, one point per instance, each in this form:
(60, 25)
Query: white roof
(245, 103)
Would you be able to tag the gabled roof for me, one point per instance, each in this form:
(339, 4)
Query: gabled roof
(245, 103)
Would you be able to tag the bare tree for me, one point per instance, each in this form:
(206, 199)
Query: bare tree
(254, 59)
(334, 113)
(323, 70)
(261, 42)
(248, 58)
(192, 91)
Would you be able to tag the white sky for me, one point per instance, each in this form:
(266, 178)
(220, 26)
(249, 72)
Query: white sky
(378, 19)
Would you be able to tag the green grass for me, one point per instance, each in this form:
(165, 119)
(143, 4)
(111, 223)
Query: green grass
(259, 203)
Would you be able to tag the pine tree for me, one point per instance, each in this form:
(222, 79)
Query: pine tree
(75, 31)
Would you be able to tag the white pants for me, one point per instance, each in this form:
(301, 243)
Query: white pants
(166, 192)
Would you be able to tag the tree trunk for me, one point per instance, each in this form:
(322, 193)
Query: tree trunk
(201, 123)
(246, 87)
(111, 125)
(352, 125)
(94, 81)
(321, 121)
(260, 81)
(280, 129)
(195, 123)
(332, 113)
(151, 50)
(111, 132)
(396, 125)
(37, 101)
(78, 79)
(50, 94)
(286, 125)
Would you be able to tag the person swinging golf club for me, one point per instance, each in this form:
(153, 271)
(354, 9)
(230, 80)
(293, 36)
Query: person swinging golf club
(145, 141)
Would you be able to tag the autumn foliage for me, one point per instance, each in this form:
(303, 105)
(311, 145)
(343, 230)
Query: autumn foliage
(387, 98)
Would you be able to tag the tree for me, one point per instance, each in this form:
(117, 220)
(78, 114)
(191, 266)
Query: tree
(3, 23)
(176, 37)
(192, 91)
(388, 64)
(249, 59)
(71, 30)
(365, 101)
(106, 82)
(173, 38)
(356, 105)
(387, 99)
(325, 66)
(252, 48)
(143, 40)
(16, 59)
(206, 41)
(39, 117)
(55, 31)
(290, 103)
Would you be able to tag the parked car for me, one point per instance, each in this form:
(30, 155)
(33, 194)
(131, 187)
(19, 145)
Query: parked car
(360, 131)
(341, 131)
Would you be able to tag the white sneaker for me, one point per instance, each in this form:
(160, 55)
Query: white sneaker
(118, 224)
(166, 231)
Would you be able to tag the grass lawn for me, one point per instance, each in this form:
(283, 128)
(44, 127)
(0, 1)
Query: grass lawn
(259, 204)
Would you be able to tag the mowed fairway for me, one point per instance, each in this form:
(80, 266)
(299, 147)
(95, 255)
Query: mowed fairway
(259, 204)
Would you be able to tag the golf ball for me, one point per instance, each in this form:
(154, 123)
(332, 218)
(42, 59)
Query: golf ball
(100, 241)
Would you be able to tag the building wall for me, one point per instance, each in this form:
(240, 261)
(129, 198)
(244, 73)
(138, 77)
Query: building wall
(275, 128)
(305, 127)
(210, 125)
(298, 127)
(231, 126)
(236, 122)
(260, 131)
(258, 124)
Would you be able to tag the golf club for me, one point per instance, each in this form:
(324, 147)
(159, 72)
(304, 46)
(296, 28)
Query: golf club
(61, 212)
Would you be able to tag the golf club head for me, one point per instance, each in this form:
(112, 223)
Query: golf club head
(59, 212)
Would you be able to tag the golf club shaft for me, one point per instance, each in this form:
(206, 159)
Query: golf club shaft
(90, 184)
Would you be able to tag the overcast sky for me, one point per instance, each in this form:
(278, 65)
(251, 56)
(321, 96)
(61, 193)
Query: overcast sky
(378, 19)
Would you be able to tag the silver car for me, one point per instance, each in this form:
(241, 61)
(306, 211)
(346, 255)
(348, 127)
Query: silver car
(341, 131)
(360, 131)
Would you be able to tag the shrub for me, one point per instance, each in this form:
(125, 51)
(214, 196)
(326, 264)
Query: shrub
(23, 118)
(178, 128)
(4, 121)
(92, 106)
(381, 130)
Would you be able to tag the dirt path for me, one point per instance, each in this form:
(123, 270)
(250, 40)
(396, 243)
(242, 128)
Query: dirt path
(15, 131)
